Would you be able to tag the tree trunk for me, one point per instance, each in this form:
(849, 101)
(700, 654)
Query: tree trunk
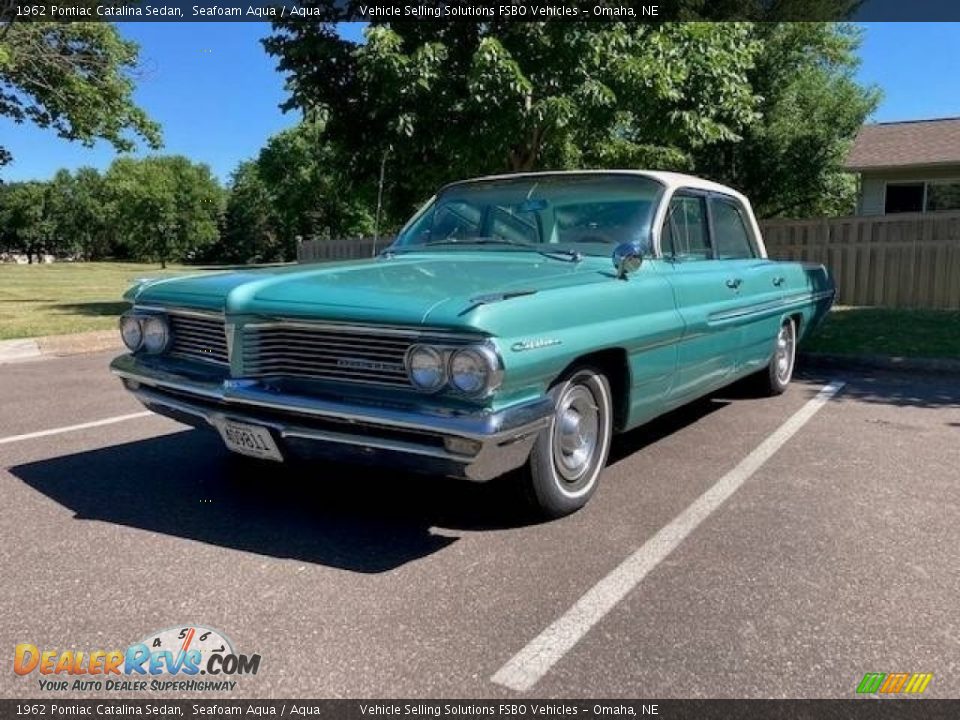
(523, 158)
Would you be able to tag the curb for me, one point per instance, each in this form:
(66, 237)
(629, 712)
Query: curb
(18, 350)
(25, 349)
(931, 366)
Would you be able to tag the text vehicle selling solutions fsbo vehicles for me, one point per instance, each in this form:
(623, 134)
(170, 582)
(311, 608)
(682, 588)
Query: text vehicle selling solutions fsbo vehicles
(493, 334)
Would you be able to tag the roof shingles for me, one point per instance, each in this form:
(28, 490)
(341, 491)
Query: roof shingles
(906, 144)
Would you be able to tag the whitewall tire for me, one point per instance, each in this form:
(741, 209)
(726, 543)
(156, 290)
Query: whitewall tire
(778, 374)
(569, 454)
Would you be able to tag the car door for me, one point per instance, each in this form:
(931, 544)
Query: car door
(757, 284)
(707, 352)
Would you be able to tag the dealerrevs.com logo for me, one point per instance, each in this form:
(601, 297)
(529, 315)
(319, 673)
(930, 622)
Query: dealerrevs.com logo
(188, 658)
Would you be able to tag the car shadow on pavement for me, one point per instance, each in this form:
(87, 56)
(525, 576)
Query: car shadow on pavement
(897, 388)
(628, 443)
(187, 485)
(367, 520)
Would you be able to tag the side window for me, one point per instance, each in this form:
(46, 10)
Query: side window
(730, 232)
(685, 233)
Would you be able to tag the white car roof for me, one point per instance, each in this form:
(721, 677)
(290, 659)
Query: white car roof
(671, 180)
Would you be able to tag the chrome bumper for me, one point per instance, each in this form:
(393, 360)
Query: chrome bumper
(413, 438)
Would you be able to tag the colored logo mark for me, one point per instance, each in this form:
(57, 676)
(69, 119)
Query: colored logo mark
(892, 683)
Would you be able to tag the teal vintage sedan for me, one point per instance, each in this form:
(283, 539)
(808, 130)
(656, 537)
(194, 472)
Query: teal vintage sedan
(517, 321)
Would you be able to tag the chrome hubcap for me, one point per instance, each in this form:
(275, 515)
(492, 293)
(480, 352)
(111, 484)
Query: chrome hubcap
(784, 353)
(576, 431)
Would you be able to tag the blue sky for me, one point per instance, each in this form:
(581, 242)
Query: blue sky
(216, 92)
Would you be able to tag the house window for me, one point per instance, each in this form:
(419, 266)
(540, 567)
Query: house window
(930, 196)
(904, 198)
(943, 195)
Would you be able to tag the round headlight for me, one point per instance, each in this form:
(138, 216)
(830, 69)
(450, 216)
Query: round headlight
(131, 332)
(156, 334)
(472, 370)
(425, 367)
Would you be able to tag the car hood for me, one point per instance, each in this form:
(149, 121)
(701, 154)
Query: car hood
(419, 288)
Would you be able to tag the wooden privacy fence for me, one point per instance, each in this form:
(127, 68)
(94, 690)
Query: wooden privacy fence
(903, 261)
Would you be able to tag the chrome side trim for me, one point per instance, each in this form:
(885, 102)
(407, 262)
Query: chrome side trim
(785, 303)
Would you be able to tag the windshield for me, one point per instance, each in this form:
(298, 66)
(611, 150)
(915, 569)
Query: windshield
(589, 214)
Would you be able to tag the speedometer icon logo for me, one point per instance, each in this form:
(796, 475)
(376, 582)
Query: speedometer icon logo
(184, 639)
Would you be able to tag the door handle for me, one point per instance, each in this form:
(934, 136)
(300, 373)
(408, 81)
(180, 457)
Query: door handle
(778, 281)
(734, 283)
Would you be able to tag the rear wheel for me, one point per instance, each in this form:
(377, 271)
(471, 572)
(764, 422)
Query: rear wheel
(570, 453)
(776, 377)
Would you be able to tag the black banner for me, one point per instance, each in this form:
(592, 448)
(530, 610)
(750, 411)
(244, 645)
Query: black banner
(860, 709)
(650, 11)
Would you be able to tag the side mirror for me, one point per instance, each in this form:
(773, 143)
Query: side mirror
(627, 258)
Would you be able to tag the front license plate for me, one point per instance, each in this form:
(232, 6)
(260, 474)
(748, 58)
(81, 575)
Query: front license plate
(249, 440)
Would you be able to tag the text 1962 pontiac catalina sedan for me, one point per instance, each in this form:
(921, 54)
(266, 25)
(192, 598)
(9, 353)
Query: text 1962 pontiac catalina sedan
(495, 333)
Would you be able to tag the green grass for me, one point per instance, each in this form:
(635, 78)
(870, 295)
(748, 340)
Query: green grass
(878, 331)
(65, 298)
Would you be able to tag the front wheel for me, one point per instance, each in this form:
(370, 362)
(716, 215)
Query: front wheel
(569, 454)
(776, 377)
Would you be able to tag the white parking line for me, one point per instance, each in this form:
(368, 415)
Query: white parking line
(525, 669)
(71, 428)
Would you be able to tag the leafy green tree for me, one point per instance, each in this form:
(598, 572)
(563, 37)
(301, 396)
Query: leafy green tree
(25, 222)
(58, 212)
(312, 188)
(249, 232)
(445, 100)
(82, 213)
(790, 160)
(165, 207)
(769, 107)
(76, 78)
(89, 220)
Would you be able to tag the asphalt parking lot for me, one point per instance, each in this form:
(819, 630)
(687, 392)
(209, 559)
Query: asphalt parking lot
(837, 555)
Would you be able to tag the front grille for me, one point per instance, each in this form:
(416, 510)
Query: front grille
(199, 337)
(365, 355)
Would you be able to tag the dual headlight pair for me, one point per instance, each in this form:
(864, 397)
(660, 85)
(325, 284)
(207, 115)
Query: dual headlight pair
(473, 370)
(146, 332)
